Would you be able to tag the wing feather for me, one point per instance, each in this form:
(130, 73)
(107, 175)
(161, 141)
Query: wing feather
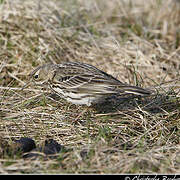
(84, 78)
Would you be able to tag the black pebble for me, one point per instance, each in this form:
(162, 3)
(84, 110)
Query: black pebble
(51, 147)
(25, 144)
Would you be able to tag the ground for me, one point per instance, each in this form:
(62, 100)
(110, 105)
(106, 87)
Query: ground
(136, 41)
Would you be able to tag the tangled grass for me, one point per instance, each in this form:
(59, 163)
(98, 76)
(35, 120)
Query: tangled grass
(136, 41)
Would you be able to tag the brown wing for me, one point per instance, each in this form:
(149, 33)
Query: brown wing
(82, 77)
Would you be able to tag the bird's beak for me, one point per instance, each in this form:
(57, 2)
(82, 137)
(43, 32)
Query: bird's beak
(26, 85)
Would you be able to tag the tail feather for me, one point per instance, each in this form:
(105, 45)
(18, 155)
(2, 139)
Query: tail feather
(134, 90)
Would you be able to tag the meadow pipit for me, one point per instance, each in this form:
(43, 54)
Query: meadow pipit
(81, 83)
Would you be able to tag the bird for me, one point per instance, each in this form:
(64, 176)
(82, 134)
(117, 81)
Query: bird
(81, 83)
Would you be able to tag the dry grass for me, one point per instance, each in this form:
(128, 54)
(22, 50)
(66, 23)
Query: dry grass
(136, 41)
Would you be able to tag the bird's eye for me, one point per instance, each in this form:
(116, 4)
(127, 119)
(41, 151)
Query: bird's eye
(36, 76)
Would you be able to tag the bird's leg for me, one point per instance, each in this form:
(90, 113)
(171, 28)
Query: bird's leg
(80, 114)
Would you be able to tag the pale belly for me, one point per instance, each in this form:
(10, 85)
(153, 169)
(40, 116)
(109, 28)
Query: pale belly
(85, 100)
(76, 98)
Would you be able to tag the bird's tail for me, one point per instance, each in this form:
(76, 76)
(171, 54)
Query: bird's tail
(134, 90)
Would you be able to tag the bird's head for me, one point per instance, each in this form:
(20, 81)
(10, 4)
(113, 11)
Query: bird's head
(41, 75)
